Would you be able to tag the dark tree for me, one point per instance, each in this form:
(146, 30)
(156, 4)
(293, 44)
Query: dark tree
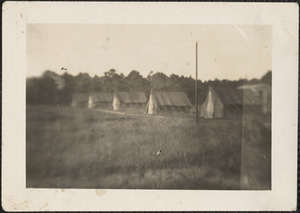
(68, 89)
(136, 82)
(83, 83)
(174, 83)
(112, 82)
(158, 81)
(267, 78)
(96, 84)
(42, 91)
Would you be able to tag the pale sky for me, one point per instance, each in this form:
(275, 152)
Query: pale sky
(224, 51)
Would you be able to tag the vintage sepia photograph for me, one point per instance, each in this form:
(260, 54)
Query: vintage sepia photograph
(149, 106)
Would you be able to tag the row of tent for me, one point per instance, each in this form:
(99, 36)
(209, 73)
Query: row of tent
(158, 101)
(217, 102)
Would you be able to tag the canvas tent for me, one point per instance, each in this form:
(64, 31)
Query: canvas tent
(100, 99)
(167, 101)
(221, 102)
(80, 100)
(128, 99)
(257, 96)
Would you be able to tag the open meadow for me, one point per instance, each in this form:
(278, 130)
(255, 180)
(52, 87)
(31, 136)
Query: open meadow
(87, 148)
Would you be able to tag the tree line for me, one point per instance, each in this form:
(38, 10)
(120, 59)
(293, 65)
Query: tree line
(54, 89)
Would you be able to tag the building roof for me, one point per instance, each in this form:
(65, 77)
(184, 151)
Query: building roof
(102, 97)
(80, 97)
(230, 96)
(252, 94)
(255, 86)
(171, 99)
(132, 97)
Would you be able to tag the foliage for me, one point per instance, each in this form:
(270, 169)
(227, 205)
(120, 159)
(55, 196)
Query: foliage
(267, 78)
(42, 91)
(45, 89)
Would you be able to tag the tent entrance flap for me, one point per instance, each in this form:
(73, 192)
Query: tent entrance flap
(116, 103)
(210, 106)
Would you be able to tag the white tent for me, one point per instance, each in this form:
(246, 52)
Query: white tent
(168, 101)
(116, 102)
(220, 102)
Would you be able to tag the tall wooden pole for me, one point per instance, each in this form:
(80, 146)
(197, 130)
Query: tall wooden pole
(196, 84)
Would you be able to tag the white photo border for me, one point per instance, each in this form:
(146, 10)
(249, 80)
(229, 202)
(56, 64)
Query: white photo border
(283, 17)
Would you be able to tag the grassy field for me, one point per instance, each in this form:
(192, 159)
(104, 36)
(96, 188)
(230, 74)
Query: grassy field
(81, 148)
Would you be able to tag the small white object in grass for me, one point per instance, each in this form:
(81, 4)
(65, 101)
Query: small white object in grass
(158, 152)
